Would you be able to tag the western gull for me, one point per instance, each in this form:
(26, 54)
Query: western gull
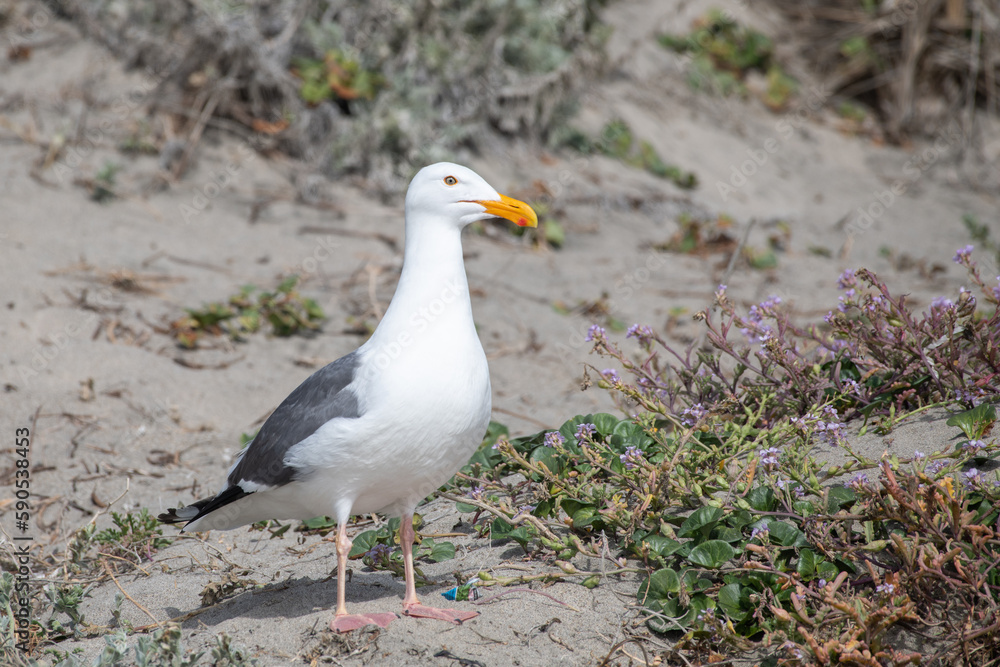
(381, 428)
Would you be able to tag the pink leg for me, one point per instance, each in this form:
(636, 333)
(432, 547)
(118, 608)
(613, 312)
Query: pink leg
(411, 605)
(342, 621)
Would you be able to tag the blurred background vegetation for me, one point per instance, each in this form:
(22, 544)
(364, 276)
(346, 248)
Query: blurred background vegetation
(379, 88)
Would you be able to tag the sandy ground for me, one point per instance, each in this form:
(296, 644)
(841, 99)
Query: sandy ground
(88, 288)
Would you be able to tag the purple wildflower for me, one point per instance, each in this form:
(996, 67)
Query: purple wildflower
(832, 433)
(631, 456)
(522, 510)
(888, 589)
(962, 255)
(847, 279)
(585, 432)
(476, 492)
(764, 309)
(973, 446)
(874, 304)
(611, 375)
(595, 333)
(769, 456)
(846, 300)
(761, 335)
(918, 455)
(760, 531)
(858, 481)
(969, 397)
(378, 552)
(942, 303)
(691, 415)
(554, 439)
(641, 333)
(934, 468)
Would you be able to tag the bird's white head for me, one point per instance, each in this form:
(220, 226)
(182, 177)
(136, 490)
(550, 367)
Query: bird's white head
(456, 193)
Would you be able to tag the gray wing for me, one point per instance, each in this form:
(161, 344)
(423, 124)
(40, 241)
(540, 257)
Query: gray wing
(322, 397)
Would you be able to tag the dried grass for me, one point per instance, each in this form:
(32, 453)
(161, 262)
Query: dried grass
(457, 75)
(918, 63)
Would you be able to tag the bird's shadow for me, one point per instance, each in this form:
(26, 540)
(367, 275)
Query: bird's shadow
(301, 596)
(296, 597)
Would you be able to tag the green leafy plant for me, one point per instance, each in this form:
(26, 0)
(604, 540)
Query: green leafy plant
(616, 140)
(336, 77)
(58, 600)
(730, 46)
(550, 233)
(699, 236)
(285, 310)
(378, 549)
(747, 537)
(851, 111)
(780, 89)
(65, 600)
(79, 545)
(977, 422)
(164, 647)
(724, 52)
(104, 183)
(135, 537)
(225, 654)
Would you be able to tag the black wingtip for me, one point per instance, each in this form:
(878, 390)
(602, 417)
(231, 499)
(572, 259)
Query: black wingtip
(196, 510)
(170, 516)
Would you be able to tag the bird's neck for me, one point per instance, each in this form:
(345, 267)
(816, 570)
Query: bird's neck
(433, 290)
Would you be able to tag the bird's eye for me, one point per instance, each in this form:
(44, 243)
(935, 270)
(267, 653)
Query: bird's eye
(450, 180)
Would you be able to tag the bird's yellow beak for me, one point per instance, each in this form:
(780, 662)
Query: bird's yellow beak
(510, 209)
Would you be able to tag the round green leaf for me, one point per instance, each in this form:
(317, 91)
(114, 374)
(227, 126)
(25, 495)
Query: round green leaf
(711, 554)
(786, 534)
(659, 586)
(549, 457)
(729, 534)
(700, 522)
(604, 422)
(806, 566)
(363, 543)
(442, 551)
(660, 545)
(762, 499)
(840, 497)
(827, 570)
(729, 602)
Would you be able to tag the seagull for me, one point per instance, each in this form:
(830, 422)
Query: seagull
(381, 428)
